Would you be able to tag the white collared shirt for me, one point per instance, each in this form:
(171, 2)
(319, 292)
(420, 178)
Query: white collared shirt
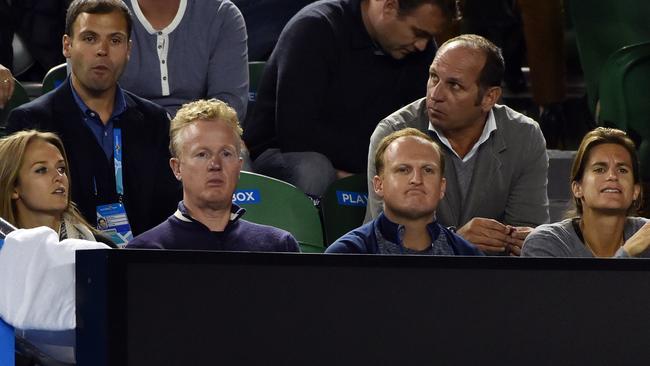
(490, 125)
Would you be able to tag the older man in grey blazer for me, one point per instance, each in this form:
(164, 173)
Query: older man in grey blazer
(497, 175)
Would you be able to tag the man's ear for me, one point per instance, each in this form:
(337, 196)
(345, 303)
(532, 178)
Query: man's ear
(378, 186)
(175, 164)
(490, 98)
(67, 44)
(443, 187)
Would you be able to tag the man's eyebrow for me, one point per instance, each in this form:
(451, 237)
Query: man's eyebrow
(419, 32)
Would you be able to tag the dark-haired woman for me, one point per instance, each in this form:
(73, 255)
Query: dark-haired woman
(606, 187)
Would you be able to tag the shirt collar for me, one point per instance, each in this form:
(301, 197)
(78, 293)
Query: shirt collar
(119, 106)
(395, 232)
(169, 28)
(183, 214)
(490, 125)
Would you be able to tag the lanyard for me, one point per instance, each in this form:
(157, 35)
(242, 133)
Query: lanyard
(117, 160)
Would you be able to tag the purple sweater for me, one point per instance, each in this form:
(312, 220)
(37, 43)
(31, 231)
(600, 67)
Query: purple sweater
(181, 231)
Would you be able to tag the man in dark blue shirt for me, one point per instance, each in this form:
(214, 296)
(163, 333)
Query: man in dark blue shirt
(410, 180)
(206, 146)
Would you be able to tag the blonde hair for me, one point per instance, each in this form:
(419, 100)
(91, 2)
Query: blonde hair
(210, 110)
(12, 157)
(409, 131)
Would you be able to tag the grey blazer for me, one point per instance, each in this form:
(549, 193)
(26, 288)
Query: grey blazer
(510, 172)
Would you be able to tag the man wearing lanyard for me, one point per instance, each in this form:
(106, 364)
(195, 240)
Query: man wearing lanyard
(116, 142)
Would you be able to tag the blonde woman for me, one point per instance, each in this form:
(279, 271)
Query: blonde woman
(35, 186)
(606, 186)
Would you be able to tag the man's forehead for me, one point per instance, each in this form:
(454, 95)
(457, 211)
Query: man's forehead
(101, 23)
(411, 146)
(197, 132)
(458, 51)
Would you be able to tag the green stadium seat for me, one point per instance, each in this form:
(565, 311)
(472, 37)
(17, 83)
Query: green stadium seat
(344, 206)
(270, 201)
(624, 101)
(255, 70)
(603, 27)
(54, 78)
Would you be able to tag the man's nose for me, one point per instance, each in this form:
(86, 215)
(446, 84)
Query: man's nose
(102, 48)
(416, 177)
(435, 91)
(214, 163)
(421, 44)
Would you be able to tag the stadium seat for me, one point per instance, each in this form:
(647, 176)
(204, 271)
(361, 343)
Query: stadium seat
(19, 97)
(270, 201)
(54, 78)
(255, 70)
(602, 27)
(624, 102)
(344, 206)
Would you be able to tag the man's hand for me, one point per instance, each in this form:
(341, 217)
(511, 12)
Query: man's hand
(6, 85)
(516, 238)
(487, 234)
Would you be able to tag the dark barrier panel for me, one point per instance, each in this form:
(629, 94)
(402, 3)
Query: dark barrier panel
(207, 308)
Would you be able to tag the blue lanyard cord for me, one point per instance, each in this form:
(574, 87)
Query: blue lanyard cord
(117, 162)
(117, 159)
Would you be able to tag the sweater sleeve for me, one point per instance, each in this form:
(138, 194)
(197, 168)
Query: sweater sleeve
(542, 242)
(228, 65)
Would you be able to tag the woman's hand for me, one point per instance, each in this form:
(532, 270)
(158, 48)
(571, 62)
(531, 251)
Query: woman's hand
(639, 242)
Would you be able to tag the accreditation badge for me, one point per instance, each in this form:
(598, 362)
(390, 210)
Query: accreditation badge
(112, 221)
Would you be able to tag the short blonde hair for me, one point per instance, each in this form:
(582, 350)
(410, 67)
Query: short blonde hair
(209, 110)
(409, 131)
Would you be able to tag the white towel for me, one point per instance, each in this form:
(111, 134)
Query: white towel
(37, 279)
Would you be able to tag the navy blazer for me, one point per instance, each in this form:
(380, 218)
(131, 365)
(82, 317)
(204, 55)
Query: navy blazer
(150, 189)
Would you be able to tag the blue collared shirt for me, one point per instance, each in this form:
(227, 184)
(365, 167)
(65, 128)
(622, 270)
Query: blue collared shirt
(103, 132)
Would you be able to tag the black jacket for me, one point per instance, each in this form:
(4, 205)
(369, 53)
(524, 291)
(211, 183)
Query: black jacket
(150, 189)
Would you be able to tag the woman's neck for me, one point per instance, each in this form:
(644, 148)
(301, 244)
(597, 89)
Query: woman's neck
(603, 234)
(32, 221)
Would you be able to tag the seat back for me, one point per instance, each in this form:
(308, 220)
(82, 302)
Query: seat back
(54, 78)
(18, 98)
(624, 101)
(255, 70)
(344, 206)
(603, 27)
(270, 201)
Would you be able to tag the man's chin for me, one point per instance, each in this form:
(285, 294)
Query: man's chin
(413, 214)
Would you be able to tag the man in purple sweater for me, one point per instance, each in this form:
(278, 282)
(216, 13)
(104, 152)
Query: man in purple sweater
(205, 144)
